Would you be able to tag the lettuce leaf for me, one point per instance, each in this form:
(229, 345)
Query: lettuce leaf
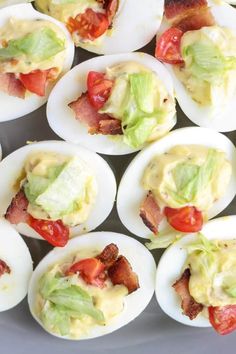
(66, 192)
(164, 239)
(37, 185)
(190, 179)
(133, 101)
(65, 301)
(142, 87)
(207, 61)
(38, 46)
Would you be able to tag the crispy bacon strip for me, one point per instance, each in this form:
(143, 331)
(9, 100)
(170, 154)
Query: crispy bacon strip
(110, 127)
(17, 210)
(111, 7)
(121, 273)
(189, 15)
(96, 122)
(150, 213)
(175, 10)
(203, 18)
(4, 268)
(11, 85)
(190, 307)
(109, 255)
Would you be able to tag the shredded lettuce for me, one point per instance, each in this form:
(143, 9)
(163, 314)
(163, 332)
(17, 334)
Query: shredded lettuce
(142, 86)
(133, 100)
(164, 239)
(202, 245)
(67, 192)
(38, 46)
(65, 301)
(191, 180)
(207, 61)
(37, 185)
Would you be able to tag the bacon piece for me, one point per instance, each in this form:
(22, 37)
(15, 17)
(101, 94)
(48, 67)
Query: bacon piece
(110, 127)
(121, 273)
(11, 85)
(109, 255)
(150, 213)
(96, 122)
(175, 10)
(86, 113)
(189, 15)
(111, 7)
(4, 268)
(203, 18)
(190, 307)
(17, 210)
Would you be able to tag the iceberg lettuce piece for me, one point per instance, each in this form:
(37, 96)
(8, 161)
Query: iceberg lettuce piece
(38, 46)
(36, 185)
(67, 192)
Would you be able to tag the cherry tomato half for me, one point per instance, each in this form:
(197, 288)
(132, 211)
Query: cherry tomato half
(168, 46)
(223, 319)
(89, 25)
(186, 219)
(99, 89)
(91, 271)
(35, 81)
(55, 232)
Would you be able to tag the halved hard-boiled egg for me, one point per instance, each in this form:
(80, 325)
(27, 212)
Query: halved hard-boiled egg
(113, 104)
(107, 27)
(202, 63)
(55, 190)
(15, 267)
(93, 286)
(202, 266)
(4, 3)
(36, 50)
(175, 184)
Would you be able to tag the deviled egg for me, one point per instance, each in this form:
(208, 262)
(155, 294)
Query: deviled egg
(4, 3)
(107, 27)
(199, 50)
(176, 184)
(15, 267)
(55, 190)
(195, 281)
(113, 104)
(93, 286)
(35, 51)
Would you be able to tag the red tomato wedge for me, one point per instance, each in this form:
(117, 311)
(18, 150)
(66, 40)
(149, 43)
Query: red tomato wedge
(186, 219)
(55, 232)
(89, 25)
(223, 319)
(168, 46)
(35, 81)
(91, 271)
(99, 89)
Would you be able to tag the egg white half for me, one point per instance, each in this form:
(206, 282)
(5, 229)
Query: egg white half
(14, 107)
(131, 193)
(134, 26)
(11, 167)
(4, 3)
(14, 252)
(170, 269)
(222, 120)
(61, 118)
(141, 261)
